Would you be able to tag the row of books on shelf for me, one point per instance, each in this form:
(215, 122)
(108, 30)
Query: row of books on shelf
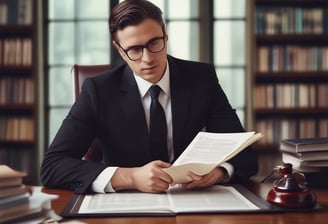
(16, 12)
(17, 129)
(291, 20)
(275, 129)
(309, 155)
(292, 58)
(16, 90)
(287, 95)
(20, 203)
(16, 51)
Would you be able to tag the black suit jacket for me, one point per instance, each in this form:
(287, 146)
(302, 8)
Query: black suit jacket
(109, 107)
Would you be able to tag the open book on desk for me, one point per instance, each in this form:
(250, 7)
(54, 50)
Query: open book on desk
(207, 151)
(217, 199)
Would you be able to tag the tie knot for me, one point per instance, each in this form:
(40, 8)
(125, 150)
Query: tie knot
(154, 91)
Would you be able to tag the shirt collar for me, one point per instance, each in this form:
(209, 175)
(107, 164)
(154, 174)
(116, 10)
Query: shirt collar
(164, 83)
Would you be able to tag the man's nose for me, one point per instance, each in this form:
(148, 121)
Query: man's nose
(147, 55)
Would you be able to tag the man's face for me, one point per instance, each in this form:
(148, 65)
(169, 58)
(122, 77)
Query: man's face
(150, 66)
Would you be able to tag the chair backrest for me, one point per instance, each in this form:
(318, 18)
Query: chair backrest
(79, 74)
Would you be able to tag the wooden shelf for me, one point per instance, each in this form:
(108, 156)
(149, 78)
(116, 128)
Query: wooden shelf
(294, 77)
(16, 70)
(16, 143)
(22, 108)
(284, 3)
(266, 148)
(16, 30)
(291, 112)
(295, 39)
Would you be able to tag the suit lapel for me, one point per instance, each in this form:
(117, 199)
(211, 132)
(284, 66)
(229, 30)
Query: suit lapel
(132, 107)
(180, 103)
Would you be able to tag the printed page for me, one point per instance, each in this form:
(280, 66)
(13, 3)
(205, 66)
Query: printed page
(217, 198)
(125, 202)
(176, 200)
(207, 151)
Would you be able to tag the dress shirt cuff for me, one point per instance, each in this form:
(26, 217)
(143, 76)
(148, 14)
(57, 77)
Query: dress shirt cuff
(230, 170)
(102, 183)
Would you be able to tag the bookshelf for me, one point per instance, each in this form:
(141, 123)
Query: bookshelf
(289, 71)
(18, 84)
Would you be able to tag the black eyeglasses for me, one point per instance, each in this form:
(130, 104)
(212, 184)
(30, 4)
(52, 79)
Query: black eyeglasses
(155, 45)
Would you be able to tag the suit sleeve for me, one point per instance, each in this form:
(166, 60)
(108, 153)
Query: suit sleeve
(223, 118)
(62, 166)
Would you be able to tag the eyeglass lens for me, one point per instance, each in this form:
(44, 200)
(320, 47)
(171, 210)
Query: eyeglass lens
(155, 46)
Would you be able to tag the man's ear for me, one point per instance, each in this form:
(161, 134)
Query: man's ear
(165, 33)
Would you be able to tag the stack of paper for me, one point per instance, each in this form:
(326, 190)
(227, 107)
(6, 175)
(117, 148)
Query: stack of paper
(207, 151)
(306, 154)
(215, 199)
(20, 203)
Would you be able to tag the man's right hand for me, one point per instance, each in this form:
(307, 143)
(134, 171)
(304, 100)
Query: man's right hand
(149, 178)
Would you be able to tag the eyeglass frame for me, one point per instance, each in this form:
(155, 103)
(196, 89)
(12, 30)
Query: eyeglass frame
(144, 46)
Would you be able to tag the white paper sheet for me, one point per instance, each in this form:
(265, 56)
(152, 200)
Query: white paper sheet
(177, 200)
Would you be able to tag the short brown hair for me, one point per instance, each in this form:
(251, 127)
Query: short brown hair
(133, 12)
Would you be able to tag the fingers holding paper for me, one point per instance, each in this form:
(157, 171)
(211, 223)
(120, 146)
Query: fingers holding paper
(149, 178)
(217, 175)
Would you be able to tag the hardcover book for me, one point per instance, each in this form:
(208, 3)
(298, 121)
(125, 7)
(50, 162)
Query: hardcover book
(304, 145)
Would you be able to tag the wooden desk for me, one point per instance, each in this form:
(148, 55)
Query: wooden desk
(317, 217)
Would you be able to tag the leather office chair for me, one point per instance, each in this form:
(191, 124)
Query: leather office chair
(79, 74)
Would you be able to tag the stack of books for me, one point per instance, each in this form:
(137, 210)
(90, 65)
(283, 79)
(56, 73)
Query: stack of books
(13, 194)
(307, 155)
(19, 202)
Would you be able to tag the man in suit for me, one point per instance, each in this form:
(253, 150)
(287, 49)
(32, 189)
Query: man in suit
(115, 108)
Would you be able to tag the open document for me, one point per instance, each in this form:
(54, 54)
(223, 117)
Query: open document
(207, 151)
(217, 199)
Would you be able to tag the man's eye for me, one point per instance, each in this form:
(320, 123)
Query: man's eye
(135, 50)
(154, 43)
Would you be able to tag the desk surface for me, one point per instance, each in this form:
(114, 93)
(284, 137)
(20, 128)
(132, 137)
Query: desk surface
(313, 217)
